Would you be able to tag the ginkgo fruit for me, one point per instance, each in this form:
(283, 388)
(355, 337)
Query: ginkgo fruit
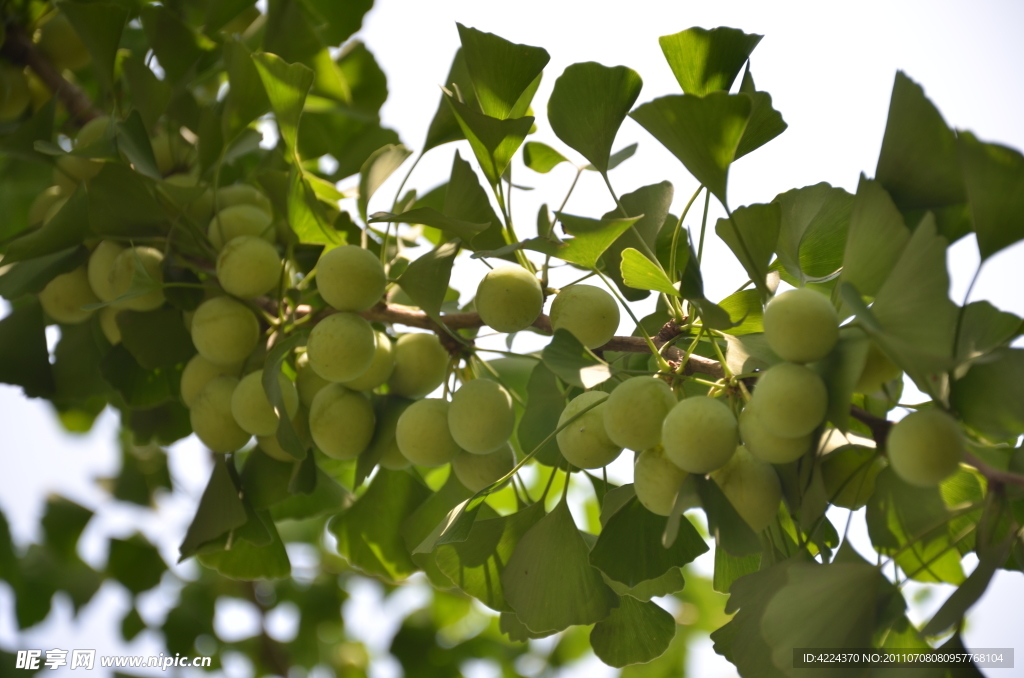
(137, 266)
(341, 347)
(421, 364)
(63, 297)
(878, 371)
(198, 372)
(752, 487)
(925, 447)
(248, 267)
(584, 442)
(211, 416)
(509, 298)
(477, 471)
(801, 325)
(699, 434)
(790, 400)
(243, 194)
(635, 411)
(381, 367)
(251, 406)
(225, 331)
(423, 435)
(765, 445)
(657, 480)
(101, 269)
(307, 381)
(341, 422)
(350, 278)
(849, 474)
(481, 416)
(109, 326)
(237, 220)
(588, 312)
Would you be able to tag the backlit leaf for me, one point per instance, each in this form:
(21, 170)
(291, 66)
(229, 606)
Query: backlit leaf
(706, 61)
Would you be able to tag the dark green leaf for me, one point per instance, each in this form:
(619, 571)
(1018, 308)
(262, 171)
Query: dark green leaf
(840, 371)
(814, 224)
(339, 19)
(703, 132)
(668, 583)
(66, 229)
(368, 531)
(918, 163)
(138, 387)
(752, 234)
(21, 143)
(165, 424)
(541, 157)
(730, 531)
(286, 86)
(265, 479)
(421, 523)
(220, 511)
(968, 593)
(444, 127)
(31, 276)
(135, 563)
(248, 562)
(378, 167)
(549, 581)
(173, 41)
(133, 142)
(566, 357)
(729, 568)
(653, 202)
(494, 141)
(706, 61)
(121, 203)
(287, 437)
(63, 523)
(876, 238)
(765, 122)
(633, 633)
(466, 200)
(426, 279)
(994, 179)
(990, 397)
(156, 338)
(746, 312)
(587, 107)
(328, 497)
(593, 237)
(246, 99)
(544, 405)
(150, 95)
(501, 71)
(983, 328)
(99, 25)
(636, 531)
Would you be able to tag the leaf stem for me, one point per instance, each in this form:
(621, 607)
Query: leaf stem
(679, 227)
(662, 363)
(704, 226)
(394, 206)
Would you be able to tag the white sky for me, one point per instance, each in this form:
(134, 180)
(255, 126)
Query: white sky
(829, 68)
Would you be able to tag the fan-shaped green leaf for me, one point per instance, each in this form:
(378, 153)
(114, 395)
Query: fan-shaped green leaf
(286, 86)
(246, 561)
(220, 511)
(426, 279)
(378, 167)
(100, 25)
(814, 224)
(705, 61)
(501, 71)
(990, 397)
(544, 405)
(876, 238)
(566, 357)
(994, 179)
(431, 217)
(634, 633)
(592, 237)
(765, 122)
(444, 127)
(752, 234)
(641, 273)
(541, 157)
(494, 140)
(653, 202)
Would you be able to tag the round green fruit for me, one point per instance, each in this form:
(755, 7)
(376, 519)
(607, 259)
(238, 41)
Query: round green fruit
(477, 471)
(101, 269)
(656, 481)
(341, 422)
(64, 296)
(243, 194)
(590, 313)
(752, 487)
(143, 263)
(251, 406)
(849, 474)
(925, 447)
(198, 372)
(237, 220)
(635, 411)
(509, 298)
(307, 381)
(380, 369)
(248, 267)
(108, 325)
(790, 400)
(766, 446)
(801, 325)
(699, 434)
(422, 433)
(878, 371)
(59, 41)
(225, 331)
(481, 416)
(14, 93)
(421, 364)
(341, 347)
(211, 416)
(350, 278)
(585, 442)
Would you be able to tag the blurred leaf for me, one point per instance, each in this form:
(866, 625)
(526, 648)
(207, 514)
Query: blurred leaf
(173, 42)
(426, 279)
(541, 157)
(248, 562)
(220, 511)
(246, 99)
(63, 523)
(706, 61)
(983, 328)
(140, 388)
(286, 434)
(368, 531)
(421, 523)
(132, 625)
(741, 640)
(135, 563)
(286, 86)
(494, 141)
(99, 25)
(150, 95)
(729, 568)
(219, 14)
(641, 273)
(431, 217)
(752, 234)
(994, 179)
(636, 531)
(66, 229)
(339, 20)
(164, 424)
(544, 405)
(21, 143)
(566, 357)
(501, 71)
(765, 122)
(876, 238)
(378, 167)
(813, 229)
(444, 127)
(587, 107)
(31, 276)
(156, 338)
(918, 162)
(328, 498)
(133, 141)
(593, 237)
(633, 633)
(668, 583)
(121, 203)
(990, 397)
(549, 581)
(702, 132)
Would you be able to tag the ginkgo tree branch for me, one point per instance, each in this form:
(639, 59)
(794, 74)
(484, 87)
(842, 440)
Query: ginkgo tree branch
(19, 48)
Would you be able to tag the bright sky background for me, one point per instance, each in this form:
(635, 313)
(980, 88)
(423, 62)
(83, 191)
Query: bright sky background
(829, 68)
